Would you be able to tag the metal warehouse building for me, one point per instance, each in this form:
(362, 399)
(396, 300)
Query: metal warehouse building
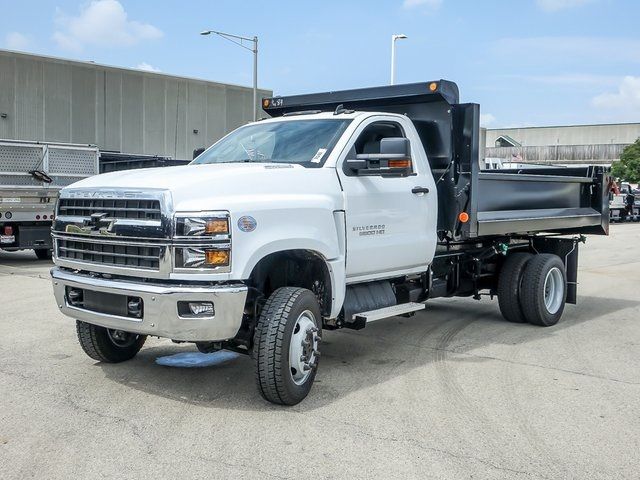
(569, 145)
(122, 110)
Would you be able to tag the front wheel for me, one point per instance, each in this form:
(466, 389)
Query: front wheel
(286, 344)
(106, 345)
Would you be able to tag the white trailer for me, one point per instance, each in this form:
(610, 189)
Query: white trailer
(31, 175)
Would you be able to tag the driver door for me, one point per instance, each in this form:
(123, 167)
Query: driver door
(390, 229)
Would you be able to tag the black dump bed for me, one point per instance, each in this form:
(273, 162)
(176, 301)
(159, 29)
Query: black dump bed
(498, 202)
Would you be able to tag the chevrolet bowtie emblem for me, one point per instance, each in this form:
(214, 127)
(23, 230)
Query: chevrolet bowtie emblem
(97, 220)
(97, 224)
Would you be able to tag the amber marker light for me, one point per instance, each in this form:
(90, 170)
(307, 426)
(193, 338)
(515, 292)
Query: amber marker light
(463, 217)
(216, 226)
(399, 163)
(433, 86)
(217, 258)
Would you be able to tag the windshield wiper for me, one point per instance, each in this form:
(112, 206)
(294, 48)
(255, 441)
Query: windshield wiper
(245, 160)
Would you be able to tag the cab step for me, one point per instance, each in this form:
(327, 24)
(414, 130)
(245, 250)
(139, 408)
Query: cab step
(386, 312)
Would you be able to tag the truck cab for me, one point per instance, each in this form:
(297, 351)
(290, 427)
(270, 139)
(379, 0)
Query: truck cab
(341, 209)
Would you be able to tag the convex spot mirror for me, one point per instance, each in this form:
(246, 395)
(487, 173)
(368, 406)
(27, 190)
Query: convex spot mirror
(394, 159)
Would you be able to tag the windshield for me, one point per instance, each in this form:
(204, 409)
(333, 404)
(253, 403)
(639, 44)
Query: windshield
(305, 142)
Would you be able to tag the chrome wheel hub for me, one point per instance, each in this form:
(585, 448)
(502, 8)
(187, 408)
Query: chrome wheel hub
(303, 349)
(553, 290)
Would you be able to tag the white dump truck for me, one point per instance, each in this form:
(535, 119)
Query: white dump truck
(342, 209)
(31, 175)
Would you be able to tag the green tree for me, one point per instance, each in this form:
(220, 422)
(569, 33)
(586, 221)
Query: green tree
(628, 168)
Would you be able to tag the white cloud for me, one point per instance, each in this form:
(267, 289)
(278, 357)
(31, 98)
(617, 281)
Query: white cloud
(103, 23)
(555, 5)
(487, 119)
(17, 41)
(147, 67)
(627, 98)
(427, 4)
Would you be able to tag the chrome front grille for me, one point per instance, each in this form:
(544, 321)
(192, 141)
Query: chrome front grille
(127, 232)
(138, 209)
(114, 231)
(120, 254)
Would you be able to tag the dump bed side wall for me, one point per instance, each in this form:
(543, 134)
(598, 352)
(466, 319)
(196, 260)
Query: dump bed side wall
(557, 200)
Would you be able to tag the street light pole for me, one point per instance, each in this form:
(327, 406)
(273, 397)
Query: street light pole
(239, 40)
(393, 55)
(255, 78)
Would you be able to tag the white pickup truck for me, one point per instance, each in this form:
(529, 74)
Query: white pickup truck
(344, 208)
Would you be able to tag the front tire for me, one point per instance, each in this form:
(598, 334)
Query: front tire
(108, 346)
(286, 344)
(544, 290)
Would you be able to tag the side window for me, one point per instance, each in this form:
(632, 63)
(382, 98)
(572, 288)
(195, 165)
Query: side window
(369, 139)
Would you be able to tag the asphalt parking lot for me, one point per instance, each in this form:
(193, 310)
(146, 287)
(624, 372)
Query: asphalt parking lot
(453, 392)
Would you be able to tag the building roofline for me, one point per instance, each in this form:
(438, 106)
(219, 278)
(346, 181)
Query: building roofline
(125, 69)
(578, 125)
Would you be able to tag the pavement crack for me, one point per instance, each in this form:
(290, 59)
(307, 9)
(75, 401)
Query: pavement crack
(545, 367)
(135, 429)
(440, 451)
(443, 348)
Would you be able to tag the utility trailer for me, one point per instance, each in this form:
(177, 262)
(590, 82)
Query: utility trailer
(31, 175)
(342, 209)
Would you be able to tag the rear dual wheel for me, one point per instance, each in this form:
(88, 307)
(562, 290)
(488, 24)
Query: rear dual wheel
(543, 292)
(532, 288)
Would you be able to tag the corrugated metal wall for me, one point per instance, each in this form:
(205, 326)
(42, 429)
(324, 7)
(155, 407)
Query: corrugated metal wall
(623, 133)
(562, 154)
(48, 99)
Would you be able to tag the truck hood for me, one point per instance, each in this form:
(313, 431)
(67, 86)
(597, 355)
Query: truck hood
(226, 186)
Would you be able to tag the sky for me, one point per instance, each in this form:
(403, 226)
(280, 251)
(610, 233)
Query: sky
(526, 62)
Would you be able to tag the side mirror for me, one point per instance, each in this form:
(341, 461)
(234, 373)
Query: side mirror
(197, 152)
(394, 159)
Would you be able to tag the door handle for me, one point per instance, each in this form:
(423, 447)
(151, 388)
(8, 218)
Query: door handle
(419, 190)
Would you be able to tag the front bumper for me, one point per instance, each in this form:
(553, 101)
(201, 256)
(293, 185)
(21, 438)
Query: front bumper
(160, 315)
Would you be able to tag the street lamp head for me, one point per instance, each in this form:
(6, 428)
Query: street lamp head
(400, 35)
(205, 32)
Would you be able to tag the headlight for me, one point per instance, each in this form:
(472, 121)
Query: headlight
(202, 241)
(201, 226)
(201, 257)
